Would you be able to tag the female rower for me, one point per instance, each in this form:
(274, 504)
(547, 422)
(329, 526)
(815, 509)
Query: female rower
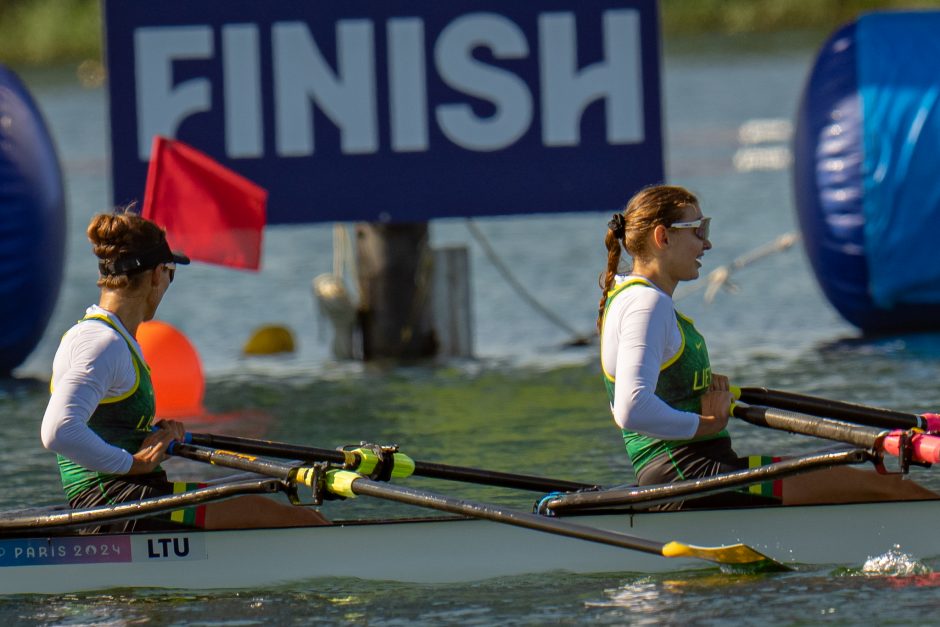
(672, 409)
(102, 402)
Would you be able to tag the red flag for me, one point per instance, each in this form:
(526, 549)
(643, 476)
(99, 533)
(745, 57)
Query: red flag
(209, 212)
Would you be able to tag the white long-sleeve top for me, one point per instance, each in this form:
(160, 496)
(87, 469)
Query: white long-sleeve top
(92, 363)
(639, 335)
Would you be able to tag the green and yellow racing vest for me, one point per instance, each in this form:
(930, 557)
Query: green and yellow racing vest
(122, 421)
(682, 382)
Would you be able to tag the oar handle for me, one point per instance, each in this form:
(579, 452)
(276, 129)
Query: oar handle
(421, 468)
(840, 410)
(794, 422)
(925, 448)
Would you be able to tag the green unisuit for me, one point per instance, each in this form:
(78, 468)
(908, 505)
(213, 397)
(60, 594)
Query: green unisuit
(122, 421)
(682, 382)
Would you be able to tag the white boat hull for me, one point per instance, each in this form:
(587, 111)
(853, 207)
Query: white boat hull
(454, 550)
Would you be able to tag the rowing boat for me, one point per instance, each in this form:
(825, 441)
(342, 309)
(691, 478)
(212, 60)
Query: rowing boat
(578, 528)
(452, 549)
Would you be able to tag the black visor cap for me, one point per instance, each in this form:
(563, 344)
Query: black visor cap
(147, 260)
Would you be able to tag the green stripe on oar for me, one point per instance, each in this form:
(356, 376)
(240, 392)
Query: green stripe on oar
(347, 484)
(840, 410)
(423, 469)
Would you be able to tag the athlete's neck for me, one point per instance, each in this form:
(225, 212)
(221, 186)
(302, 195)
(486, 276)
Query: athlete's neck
(130, 311)
(652, 274)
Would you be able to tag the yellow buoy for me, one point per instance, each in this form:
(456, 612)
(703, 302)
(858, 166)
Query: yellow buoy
(269, 340)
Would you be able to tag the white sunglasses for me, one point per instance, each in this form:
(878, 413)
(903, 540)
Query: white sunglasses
(701, 227)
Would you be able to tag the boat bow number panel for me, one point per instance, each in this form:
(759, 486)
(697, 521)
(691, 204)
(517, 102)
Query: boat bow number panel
(397, 110)
(106, 549)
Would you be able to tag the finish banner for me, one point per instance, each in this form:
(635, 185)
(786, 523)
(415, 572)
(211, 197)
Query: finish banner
(394, 110)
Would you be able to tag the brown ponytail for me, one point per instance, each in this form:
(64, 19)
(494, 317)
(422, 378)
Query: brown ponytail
(649, 208)
(122, 233)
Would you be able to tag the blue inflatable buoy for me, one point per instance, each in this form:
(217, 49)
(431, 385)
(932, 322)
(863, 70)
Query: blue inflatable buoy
(32, 223)
(867, 192)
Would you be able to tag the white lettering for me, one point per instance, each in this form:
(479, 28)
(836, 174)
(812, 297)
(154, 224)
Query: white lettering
(473, 55)
(161, 105)
(241, 73)
(453, 56)
(303, 77)
(566, 92)
(408, 97)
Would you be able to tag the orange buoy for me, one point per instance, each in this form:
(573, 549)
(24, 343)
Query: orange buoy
(176, 370)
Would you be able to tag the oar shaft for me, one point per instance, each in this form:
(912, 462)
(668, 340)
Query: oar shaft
(367, 487)
(841, 410)
(697, 488)
(793, 422)
(348, 483)
(238, 461)
(136, 509)
(924, 448)
(498, 479)
(423, 469)
(267, 447)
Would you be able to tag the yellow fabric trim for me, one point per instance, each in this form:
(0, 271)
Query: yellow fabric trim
(610, 295)
(681, 350)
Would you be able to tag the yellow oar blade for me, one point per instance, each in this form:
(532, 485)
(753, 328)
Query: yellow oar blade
(740, 554)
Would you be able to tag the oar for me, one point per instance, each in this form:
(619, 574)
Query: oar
(22, 522)
(349, 484)
(363, 460)
(918, 447)
(696, 488)
(840, 410)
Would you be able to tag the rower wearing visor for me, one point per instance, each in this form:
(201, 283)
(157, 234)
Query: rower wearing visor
(99, 419)
(671, 408)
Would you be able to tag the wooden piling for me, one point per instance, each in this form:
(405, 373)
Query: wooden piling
(394, 268)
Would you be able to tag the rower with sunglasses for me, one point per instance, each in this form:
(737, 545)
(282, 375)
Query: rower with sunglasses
(100, 413)
(670, 406)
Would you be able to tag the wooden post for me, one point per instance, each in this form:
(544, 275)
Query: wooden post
(394, 265)
(453, 317)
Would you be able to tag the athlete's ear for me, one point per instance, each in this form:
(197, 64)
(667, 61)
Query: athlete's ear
(660, 236)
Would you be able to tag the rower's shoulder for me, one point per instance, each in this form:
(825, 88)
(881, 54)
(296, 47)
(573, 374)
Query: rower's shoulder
(91, 337)
(633, 291)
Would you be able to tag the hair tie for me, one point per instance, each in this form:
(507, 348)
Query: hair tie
(618, 225)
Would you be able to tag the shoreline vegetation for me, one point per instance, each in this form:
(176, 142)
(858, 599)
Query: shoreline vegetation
(55, 32)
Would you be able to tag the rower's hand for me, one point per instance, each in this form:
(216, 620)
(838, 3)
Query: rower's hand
(720, 382)
(153, 448)
(716, 409)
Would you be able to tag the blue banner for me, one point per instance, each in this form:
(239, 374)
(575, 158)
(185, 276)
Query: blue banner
(394, 110)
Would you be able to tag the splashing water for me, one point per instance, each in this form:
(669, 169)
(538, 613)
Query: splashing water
(895, 563)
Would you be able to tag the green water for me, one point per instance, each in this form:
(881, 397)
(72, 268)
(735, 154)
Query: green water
(549, 422)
